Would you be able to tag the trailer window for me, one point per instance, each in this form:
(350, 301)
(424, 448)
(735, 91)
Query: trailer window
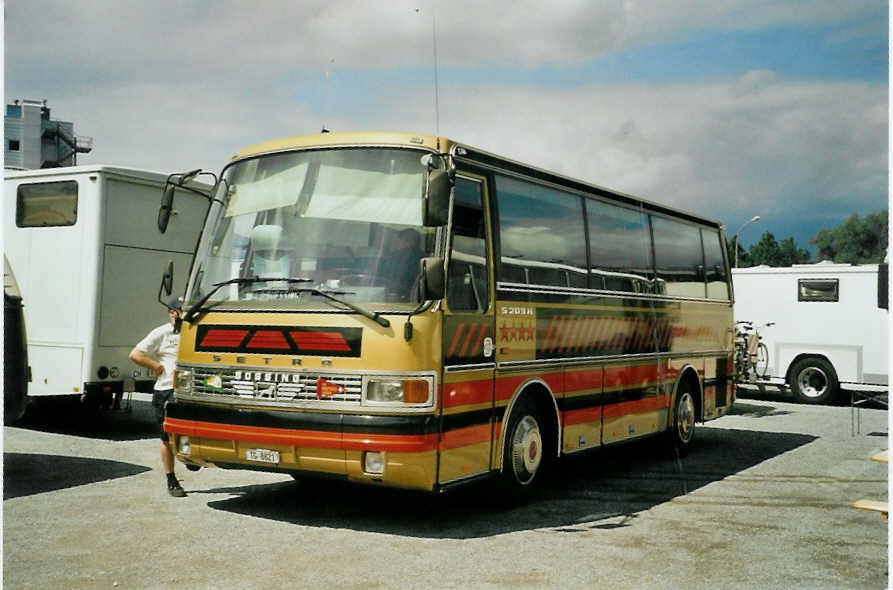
(818, 290)
(47, 204)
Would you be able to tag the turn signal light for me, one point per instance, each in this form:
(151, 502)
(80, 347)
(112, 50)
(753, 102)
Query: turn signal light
(415, 391)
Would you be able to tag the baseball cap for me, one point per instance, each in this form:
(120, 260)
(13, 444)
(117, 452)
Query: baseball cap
(175, 303)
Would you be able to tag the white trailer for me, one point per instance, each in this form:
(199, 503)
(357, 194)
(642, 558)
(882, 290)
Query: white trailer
(829, 333)
(84, 245)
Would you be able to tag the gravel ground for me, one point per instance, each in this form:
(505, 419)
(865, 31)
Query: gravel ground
(762, 501)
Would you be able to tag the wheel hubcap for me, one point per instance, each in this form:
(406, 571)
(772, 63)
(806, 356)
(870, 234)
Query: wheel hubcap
(812, 382)
(527, 445)
(685, 417)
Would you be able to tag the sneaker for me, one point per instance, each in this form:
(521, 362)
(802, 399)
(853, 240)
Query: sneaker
(175, 490)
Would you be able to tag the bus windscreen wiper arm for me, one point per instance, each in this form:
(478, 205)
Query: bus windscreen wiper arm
(383, 322)
(194, 310)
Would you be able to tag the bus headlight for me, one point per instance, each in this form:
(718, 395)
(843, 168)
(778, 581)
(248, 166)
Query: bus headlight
(390, 390)
(183, 381)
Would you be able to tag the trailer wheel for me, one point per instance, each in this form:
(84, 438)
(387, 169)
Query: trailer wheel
(814, 381)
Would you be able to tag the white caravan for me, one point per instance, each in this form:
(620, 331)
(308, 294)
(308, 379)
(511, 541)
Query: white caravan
(829, 333)
(84, 245)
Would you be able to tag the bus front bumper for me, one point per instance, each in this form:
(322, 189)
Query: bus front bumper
(398, 451)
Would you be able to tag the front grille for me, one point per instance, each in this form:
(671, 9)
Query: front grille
(275, 386)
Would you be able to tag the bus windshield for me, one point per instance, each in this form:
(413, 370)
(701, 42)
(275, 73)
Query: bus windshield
(346, 221)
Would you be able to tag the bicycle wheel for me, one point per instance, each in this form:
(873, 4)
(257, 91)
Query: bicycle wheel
(741, 361)
(762, 363)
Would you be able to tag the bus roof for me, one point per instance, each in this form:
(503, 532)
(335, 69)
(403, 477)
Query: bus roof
(471, 154)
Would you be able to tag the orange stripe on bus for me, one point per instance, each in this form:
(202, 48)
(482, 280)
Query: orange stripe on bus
(462, 437)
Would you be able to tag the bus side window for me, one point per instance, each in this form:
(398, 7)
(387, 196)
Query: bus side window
(467, 284)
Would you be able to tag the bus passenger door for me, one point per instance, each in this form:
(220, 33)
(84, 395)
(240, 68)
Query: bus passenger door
(468, 358)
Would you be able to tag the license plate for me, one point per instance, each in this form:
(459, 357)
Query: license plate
(262, 456)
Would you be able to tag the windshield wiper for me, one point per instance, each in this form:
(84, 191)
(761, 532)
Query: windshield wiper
(331, 295)
(195, 309)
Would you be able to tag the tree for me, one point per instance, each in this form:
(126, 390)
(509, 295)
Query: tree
(770, 252)
(855, 241)
(742, 253)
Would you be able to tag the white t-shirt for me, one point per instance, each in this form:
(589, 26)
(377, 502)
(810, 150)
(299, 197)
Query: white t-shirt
(161, 344)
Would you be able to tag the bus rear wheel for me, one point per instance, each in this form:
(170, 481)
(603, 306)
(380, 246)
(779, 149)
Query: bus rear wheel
(524, 453)
(684, 419)
(814, 381)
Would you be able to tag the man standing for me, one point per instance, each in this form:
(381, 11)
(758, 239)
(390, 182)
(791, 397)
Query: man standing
(158, 352)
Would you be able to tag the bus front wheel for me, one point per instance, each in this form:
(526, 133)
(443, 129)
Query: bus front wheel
(524, 454)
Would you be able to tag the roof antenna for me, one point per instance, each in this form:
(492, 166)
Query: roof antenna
(325, 99)
(436, 86)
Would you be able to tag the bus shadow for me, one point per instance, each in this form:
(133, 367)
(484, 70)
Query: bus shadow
(68, 416)
(603, 490)
(756, 411)
(26, 474)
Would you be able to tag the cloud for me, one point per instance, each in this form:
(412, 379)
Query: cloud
(179, 84)
(101, 40)
(754, 143)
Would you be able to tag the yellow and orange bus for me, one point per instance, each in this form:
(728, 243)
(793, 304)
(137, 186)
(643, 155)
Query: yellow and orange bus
(409, 311)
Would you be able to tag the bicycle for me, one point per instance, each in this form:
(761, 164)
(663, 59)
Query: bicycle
(751, 353)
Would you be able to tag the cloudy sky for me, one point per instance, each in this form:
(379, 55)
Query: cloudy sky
(731, 108)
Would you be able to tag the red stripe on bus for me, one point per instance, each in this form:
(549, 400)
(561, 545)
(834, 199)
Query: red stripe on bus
(462, 437)
(333, 341)
(479, 339)
(299, 438)
(556, 335)
(507, 386)
(586, 379)
(629, 376)
(414, 443)
(591, 329)
(302, 438)
(549, 332)
(574, 334)
(581, 337)
(568, 331)
(456, 339)
(223, 338)
(469, 392)
(649, 404)
(468, 338)
(269, 339)
(581, 416)
(604, 333)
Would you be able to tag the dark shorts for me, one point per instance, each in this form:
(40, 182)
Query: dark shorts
(159, 398)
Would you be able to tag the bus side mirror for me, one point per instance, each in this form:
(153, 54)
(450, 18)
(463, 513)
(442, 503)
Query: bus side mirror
(883, 282)
(167, 204)
(436, 200)
(432, 273)
(167, 283)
